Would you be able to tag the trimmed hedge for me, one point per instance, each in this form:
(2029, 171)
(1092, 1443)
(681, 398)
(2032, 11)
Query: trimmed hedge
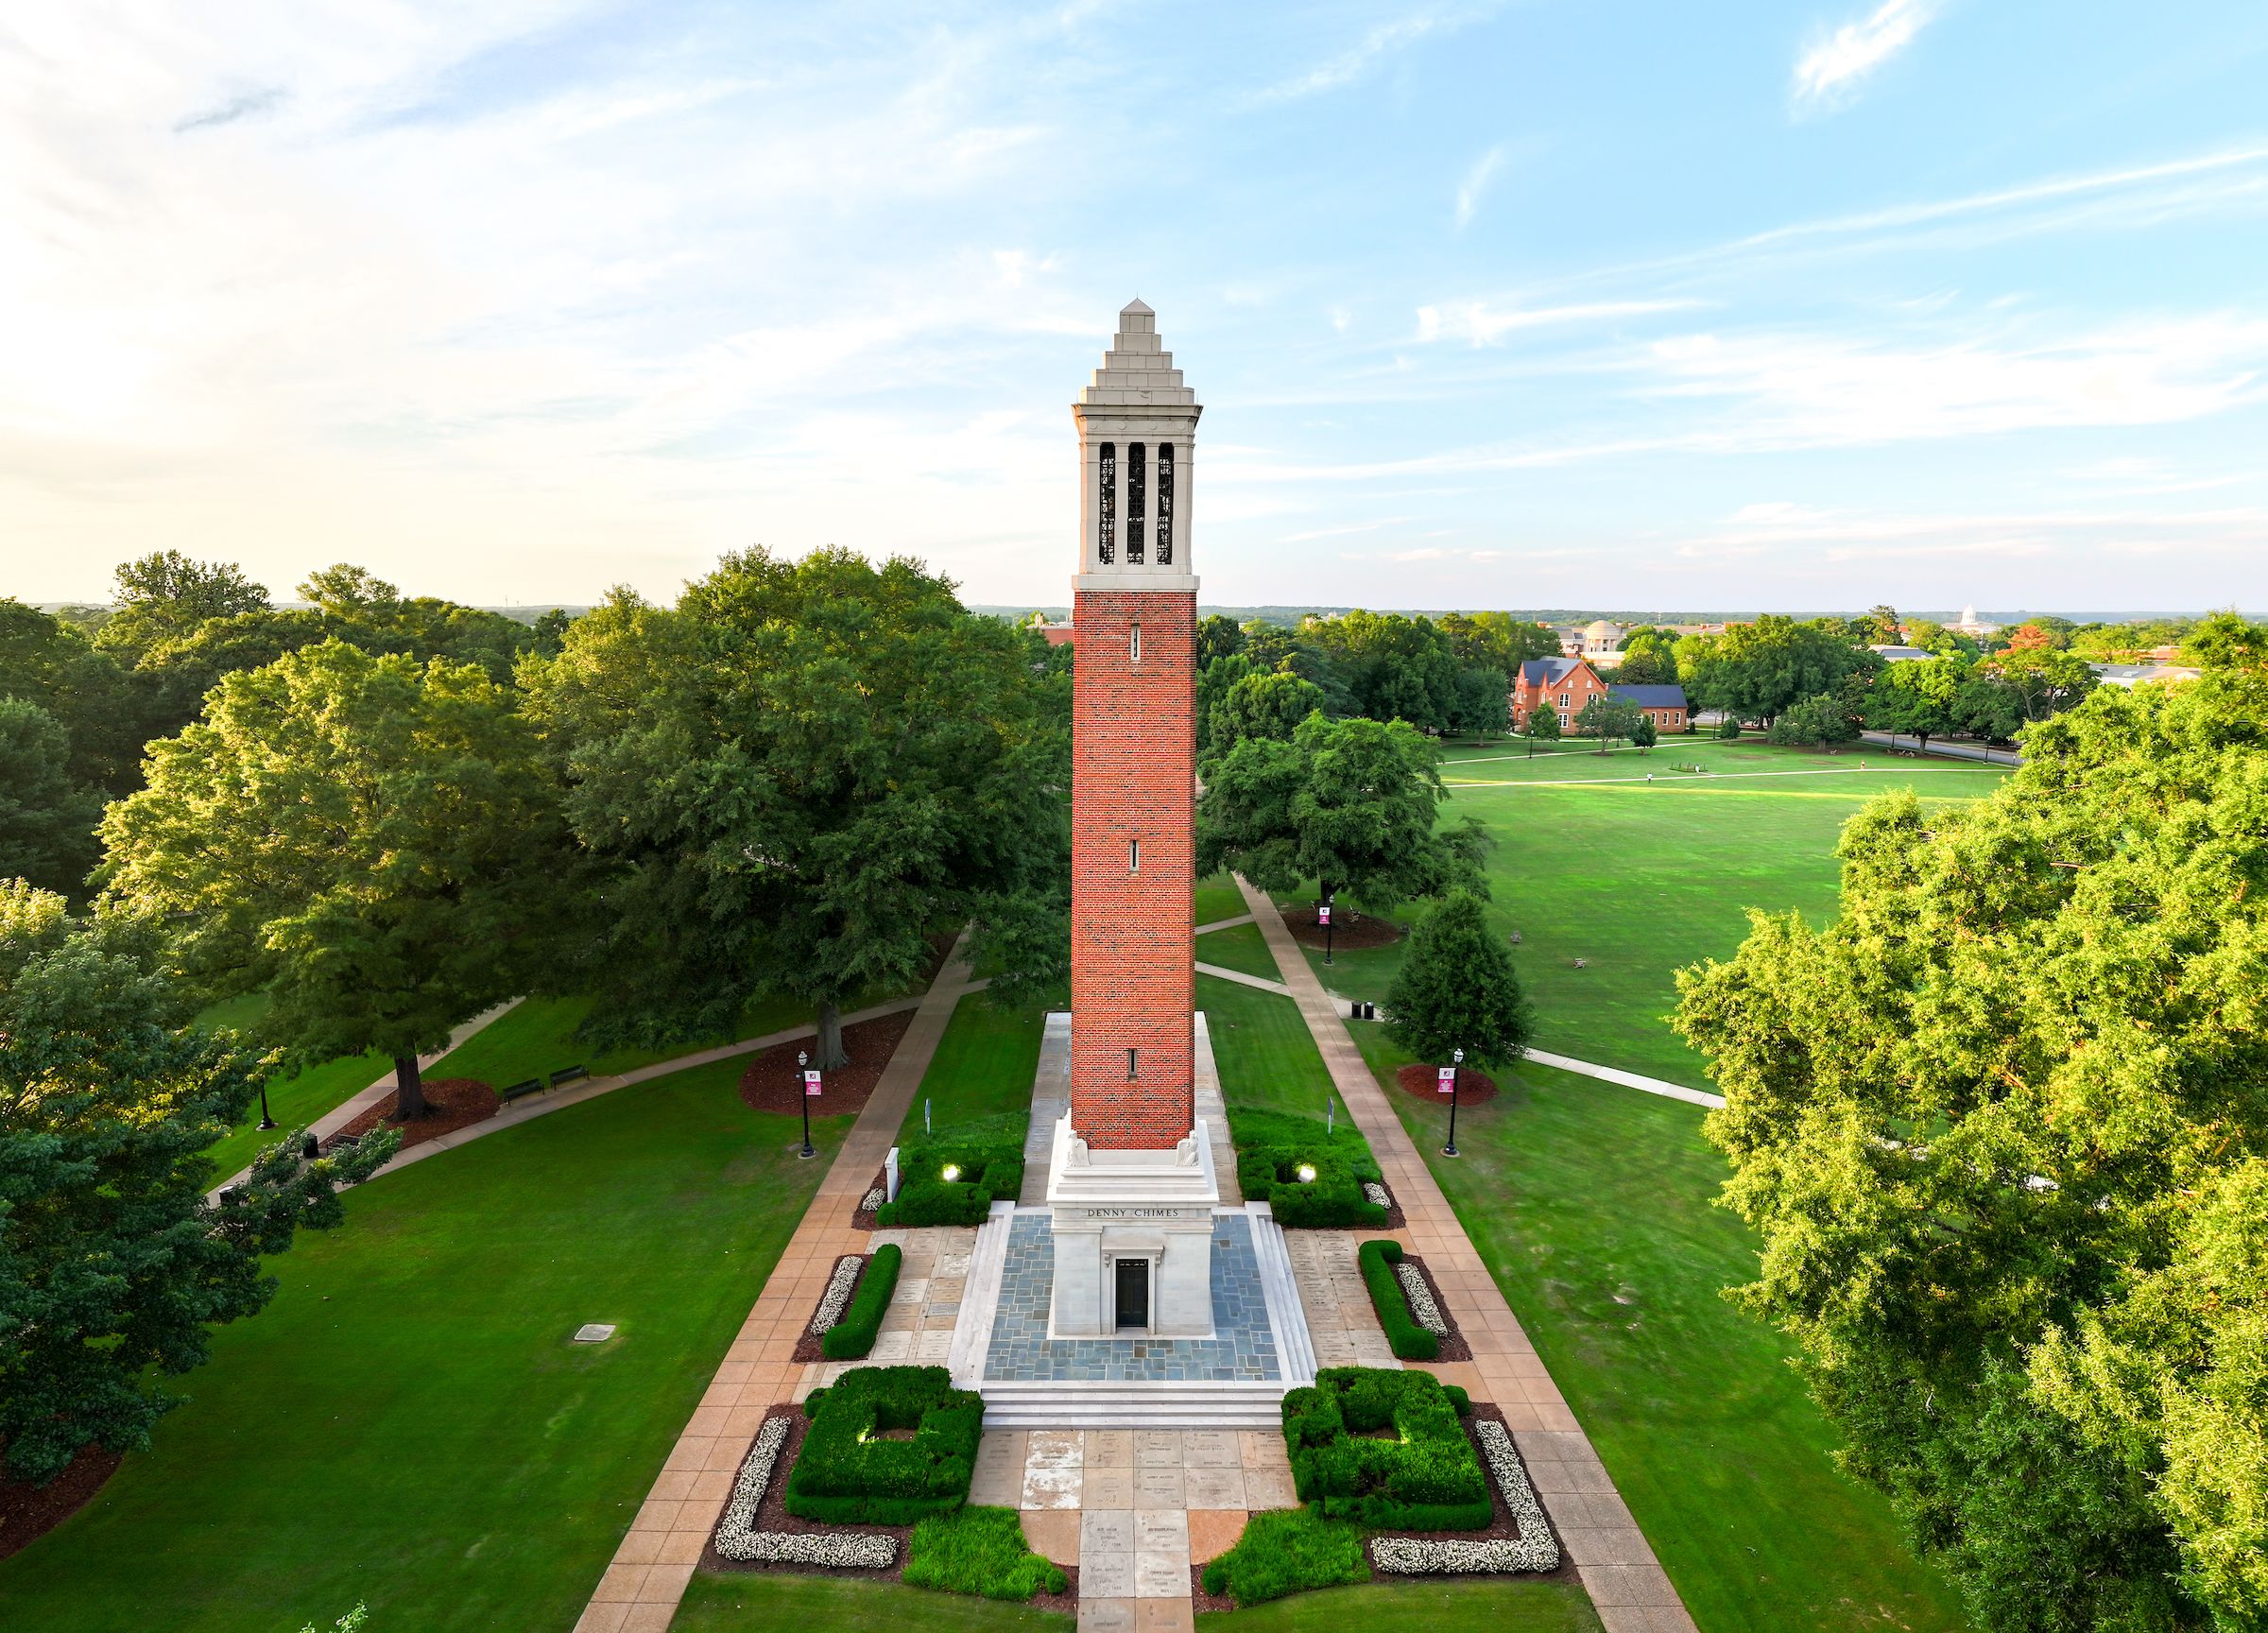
(1427, 1479)
(1288, 1550)
(847, 1475)
(1409, 1341)
(979, 1551)
(987, 1173)
(853, 1335)
(1270, 1148)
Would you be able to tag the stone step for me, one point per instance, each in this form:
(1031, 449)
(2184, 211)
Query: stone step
(1192, 1405)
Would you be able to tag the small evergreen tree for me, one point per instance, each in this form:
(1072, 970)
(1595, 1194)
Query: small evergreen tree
(1457, 990)
(1643, 734)
(1544, 724)
(1728, 727)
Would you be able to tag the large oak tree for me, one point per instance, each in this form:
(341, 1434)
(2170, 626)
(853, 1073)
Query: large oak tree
(373, 842)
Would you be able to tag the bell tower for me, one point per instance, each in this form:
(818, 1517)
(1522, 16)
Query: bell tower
(1134, 749)
(1131, 1189)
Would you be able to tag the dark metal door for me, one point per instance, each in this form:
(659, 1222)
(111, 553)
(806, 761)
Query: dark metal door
(1133, 1292)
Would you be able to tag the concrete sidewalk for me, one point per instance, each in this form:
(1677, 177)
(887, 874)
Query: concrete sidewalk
(642, 1589)
(1626, 1584)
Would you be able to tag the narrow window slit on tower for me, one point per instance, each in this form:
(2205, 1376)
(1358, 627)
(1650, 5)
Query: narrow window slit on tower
(1130, 1064)
(1133, 855)
(1165, 504)
(1134, 643)
(1135, 509)
(1106, 525)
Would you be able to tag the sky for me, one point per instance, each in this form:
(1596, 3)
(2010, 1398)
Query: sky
(1613, 304)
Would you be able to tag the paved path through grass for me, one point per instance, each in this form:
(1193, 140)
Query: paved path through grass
(642, 1589)
(1628, 1586)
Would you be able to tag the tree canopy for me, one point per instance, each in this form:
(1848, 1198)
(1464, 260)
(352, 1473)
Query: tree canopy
(1349, 803)
(113, 1264)
(1753, 671)
(373, 842)
(2002, 1129)
(796, 781)
(1456, 989)
(47, 818)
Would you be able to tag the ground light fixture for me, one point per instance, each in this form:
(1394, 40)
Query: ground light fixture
(802, 1060)
(950, 1172)
(1457, 1070)
(1307, 1172)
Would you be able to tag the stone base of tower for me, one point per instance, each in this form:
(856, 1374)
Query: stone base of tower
(1133, 1238)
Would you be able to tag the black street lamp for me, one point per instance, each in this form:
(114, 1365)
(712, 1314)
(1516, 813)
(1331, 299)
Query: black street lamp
(265, 1121)
(1327, 928)
(804, 1094)
(1455, 1071)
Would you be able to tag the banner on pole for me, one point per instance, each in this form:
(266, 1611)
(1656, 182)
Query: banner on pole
(811, 1083)
(1323, 915)
(1448, 1075)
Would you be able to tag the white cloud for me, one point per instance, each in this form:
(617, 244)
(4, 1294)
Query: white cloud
(1831, 69)
(1484, 324)
(1381, 41)
(1476, 184)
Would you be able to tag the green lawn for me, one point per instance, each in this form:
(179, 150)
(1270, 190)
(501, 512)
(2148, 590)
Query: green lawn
(1243, 948)
(408, 1423)
(1218, 898)
(1502, 1606)
(765, 1603)
(1639, 879)
(537, 1038)
(983, 1069)
(295, 1100)
(1268, 1058)
(1591, 1205)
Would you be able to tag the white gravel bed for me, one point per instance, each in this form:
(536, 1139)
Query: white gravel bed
(1422, 1309)
(837, 1293)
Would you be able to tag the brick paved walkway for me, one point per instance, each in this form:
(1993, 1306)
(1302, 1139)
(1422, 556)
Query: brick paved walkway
(1626, 1583)
(641, 1590)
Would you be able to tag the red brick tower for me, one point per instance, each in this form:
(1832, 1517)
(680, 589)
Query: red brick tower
(1134, 752)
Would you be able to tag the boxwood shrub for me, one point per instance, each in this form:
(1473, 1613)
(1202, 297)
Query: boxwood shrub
(849, 1474)
(979, 1551)
(1287, 1551)
(1270, 1148)
(1425, 1479)
(853, 1335)
(1409, 1341)
(983, 1174)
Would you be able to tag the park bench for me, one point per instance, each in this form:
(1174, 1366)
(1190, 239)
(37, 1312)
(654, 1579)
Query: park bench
(570, 1075)
(532, 1086)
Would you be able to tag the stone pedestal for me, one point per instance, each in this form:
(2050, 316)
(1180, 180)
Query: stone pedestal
(1132, 1227)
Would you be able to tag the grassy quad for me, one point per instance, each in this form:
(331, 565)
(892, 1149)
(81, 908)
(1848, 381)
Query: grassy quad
(1243, 948)
(408, 1423)
(1638, 879)
(981, 1071)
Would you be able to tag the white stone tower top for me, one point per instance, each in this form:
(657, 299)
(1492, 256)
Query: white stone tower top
(1138, 425)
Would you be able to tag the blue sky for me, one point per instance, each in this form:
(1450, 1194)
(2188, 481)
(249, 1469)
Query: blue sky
(1613, 304)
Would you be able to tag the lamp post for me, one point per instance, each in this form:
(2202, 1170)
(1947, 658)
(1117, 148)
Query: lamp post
(1324, 913)
(1457, 1070)
(265, 1121)
(803, 1087)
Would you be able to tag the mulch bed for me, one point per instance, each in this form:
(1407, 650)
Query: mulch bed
(28, 1513)
(772, 1081)
(1352, 931)
(1453, 1346)
(807, 1346)
(1396, 1218)
(1423, 1083)
(1501, 1524)
(452, 1103)
(1196, 1591)
(861, 1217)
(772, 1515)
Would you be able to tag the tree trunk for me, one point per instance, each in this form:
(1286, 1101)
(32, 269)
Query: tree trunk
(830, 1055)
(409, 1098)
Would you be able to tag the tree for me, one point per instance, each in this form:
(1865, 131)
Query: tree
(374, 843)
(50, 662)
(1999, 1125)
(164, 595)
(1884, 628)
(2042, 679)
(1653, 664)
(1217, 637)
(798, 781)
(1607, 717)
(1262, 706)
(1825, 721)
(1395, 667)
(113, 1265)
(1544, 724)
(1214, 682)
(1918, 696)
(47, 819)
(1482, 703)
(1643, 734)
(1728, 727)
(1348, 803)
(1457, 990)
(1756, 670)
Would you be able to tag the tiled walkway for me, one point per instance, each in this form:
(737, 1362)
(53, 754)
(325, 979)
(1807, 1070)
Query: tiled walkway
(1133, 1508)
(1626, 1584)
(640, 1591)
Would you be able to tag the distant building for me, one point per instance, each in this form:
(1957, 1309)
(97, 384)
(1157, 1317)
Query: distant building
(2132, 675)
(1056, 634)
(1902, 654)
(1564, 686)
(1973, 626)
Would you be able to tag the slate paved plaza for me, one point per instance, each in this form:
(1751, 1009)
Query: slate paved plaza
(1243, 1346)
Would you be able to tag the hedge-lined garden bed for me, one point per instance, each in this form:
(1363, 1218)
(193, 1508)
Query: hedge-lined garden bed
(952, 1182)
(853, 1336)
(859, 1465)
(1418, 1324)
(1309, 1178)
